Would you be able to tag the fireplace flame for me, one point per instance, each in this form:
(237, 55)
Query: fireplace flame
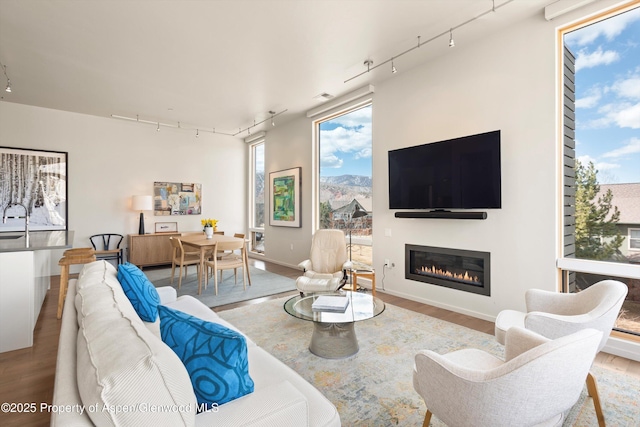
(446, 273)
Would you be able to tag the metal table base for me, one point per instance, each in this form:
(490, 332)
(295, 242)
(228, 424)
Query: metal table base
(334, 340)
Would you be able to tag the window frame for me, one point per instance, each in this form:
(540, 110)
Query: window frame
(630, 238)
(252, 227)
(568, 265)
(343, 110)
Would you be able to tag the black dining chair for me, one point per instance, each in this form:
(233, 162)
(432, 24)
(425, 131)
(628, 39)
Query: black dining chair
(107, 246)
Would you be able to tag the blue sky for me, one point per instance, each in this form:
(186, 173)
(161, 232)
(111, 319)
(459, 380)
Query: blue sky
(345, 144)
(608, 96)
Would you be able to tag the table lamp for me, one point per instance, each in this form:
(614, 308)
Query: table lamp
(141, 203)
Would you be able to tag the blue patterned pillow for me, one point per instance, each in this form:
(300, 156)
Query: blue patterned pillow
(215, 356)
(140, 291)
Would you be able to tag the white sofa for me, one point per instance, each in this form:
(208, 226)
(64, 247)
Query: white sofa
(113, 368)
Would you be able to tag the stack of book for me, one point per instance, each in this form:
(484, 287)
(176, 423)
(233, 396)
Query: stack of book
(332, 303)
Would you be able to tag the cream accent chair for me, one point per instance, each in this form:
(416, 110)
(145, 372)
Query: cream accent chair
(554, 315)
(326, 268)
(535, 385)
(182, 258)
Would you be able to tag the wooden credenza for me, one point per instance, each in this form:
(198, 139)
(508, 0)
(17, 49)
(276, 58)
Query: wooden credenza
(152, 249)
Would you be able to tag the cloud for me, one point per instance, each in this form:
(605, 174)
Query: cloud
(600, 166)
(628, 88)
(585, 159)
(330, 160)
(352, 137)
(631, 147)
(623, 115)
(608, 28)
(604, 166)
(628, 117)
(591, 99)
(595, 58)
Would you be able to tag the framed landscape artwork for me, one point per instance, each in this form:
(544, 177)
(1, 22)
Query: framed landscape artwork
(175, 198)
(37, 180)
(285, 198)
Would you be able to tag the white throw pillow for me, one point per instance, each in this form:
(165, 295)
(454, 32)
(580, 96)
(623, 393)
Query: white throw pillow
(125, 372)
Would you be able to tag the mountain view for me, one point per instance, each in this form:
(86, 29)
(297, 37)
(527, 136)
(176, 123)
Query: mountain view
(339, 188)
(345, 188)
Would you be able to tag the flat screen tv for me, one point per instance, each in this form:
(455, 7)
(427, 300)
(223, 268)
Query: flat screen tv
(461, 173)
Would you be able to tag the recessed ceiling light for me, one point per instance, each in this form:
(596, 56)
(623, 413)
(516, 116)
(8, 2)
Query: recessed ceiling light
(323, 97)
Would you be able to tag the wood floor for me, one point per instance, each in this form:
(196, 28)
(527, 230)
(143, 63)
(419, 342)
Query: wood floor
(27, 375)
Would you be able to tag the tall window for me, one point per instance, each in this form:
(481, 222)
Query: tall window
(345, 180)
(602, 159)
(256, 225)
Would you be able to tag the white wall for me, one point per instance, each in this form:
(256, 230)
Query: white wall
(506, 81)
(287, 147)
(111, 160)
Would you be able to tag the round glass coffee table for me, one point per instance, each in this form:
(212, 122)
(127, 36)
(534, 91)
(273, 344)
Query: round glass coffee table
(334, 335)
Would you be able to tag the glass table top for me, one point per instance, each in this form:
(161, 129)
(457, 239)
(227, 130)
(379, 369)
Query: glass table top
(361, 307)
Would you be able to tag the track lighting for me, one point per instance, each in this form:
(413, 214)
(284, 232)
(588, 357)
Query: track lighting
(393, 68)
(272, 116)
(8, 88)
(369, 63)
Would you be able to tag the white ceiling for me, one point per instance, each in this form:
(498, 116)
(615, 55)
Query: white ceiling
(223, 63)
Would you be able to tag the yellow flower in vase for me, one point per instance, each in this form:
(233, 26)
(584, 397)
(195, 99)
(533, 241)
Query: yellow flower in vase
(213, 223)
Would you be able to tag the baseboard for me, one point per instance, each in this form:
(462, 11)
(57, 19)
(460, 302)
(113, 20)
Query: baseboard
(273, 261)
(438, 304)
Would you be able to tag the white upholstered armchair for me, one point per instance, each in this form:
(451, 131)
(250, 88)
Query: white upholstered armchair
(326, 268)
(535, 385)
(554, 315)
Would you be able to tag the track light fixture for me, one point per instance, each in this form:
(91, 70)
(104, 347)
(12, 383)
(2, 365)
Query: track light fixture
(8, 88)
(369, 63)
(272, 116)
(393, 68)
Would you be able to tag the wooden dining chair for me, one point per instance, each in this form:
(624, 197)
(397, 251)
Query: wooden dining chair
(231, 261)
(182, 258)
(222, 253)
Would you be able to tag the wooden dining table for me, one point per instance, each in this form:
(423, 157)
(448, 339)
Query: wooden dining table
(201, 242)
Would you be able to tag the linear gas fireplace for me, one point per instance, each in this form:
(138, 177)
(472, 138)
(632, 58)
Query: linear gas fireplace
(454, 268)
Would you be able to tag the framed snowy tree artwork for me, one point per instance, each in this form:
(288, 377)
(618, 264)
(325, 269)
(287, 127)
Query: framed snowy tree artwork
(35, 181)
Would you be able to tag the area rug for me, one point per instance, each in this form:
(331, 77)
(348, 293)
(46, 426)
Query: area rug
(263, 282)
(374, 387)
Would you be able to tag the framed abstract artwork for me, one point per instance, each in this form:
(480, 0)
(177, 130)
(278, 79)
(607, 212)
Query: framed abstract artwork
(285, 198)
(36, 181)
(176, 198)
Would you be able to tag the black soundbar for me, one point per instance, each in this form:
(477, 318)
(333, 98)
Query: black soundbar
(443, 214)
